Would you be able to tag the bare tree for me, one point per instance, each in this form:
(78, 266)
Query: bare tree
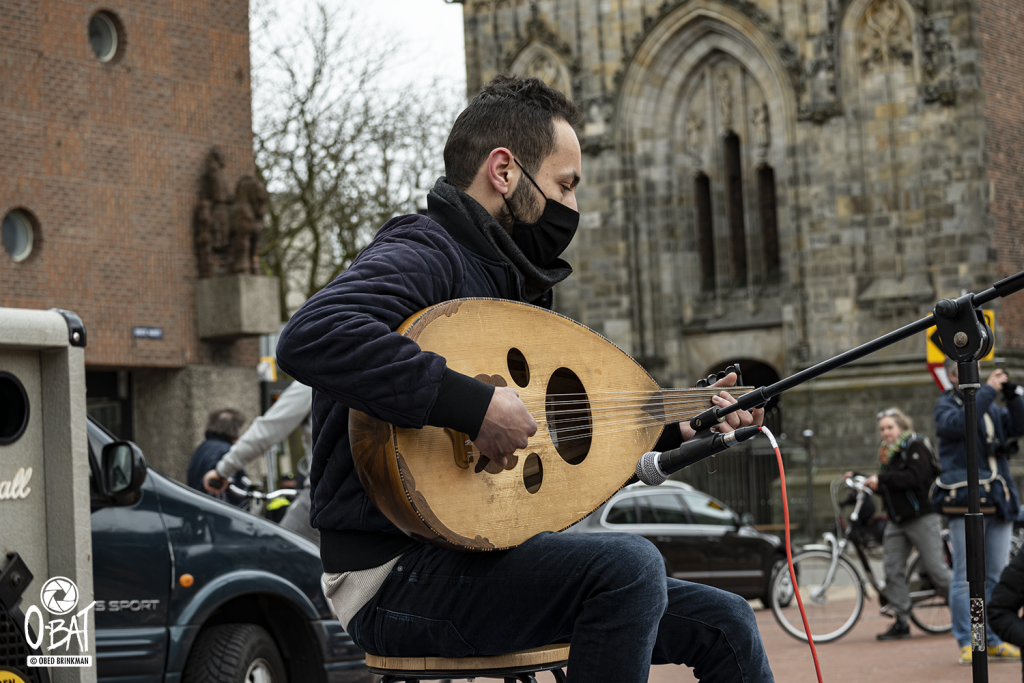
(339, 151)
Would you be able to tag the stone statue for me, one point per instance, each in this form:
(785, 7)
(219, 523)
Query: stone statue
(762, 135)
(228, 228)
(695, 137)
(723, 86)
(247, 225)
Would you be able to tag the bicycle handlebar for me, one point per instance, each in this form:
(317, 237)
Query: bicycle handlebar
(857, 482)
(259, 495)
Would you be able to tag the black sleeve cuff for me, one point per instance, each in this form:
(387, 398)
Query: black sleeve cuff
(461, 403)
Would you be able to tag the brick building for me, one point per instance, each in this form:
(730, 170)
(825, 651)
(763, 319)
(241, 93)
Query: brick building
(778, 181)
(108, 114)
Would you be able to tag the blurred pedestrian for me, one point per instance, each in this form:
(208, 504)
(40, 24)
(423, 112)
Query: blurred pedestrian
(1007, 599)
(997, 429)
(291, 410)
(223, 426)
(906, 470)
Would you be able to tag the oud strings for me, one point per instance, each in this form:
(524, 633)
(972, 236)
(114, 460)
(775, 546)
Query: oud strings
(579, 423)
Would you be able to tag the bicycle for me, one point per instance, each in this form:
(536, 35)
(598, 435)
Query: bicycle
(833, 588)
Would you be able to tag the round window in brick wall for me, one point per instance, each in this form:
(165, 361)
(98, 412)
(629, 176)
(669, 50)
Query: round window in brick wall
(104, 35)
(18, 233)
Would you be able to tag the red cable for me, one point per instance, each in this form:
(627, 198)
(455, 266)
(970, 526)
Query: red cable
(789, 551)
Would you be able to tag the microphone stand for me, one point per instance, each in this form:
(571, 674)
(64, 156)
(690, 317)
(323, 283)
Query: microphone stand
(966, 338)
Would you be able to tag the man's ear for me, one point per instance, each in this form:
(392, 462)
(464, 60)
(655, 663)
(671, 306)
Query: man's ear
(500, 170)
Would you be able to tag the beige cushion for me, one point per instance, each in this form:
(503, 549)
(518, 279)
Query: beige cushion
(538, 656)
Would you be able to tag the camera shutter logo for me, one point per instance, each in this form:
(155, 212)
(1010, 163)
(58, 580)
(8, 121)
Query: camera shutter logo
(59, 595)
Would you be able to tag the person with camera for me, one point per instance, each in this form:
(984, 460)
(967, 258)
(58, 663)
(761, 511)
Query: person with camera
(905, 473)
(998, 429)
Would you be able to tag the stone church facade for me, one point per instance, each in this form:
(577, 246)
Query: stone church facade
(776, 182)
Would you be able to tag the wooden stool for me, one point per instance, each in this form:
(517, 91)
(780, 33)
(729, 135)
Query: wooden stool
(518, 666)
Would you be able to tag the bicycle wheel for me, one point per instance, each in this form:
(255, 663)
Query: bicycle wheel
(929, 610)
(832, 609)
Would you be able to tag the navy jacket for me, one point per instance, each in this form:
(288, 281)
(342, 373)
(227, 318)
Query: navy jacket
(340, 342)
(950, 426)
(205, 458)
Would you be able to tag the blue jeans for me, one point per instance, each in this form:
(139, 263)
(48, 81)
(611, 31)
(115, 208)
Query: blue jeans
(997, 553)
(606, 593)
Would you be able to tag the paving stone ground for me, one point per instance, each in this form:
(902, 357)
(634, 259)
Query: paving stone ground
(857, 657)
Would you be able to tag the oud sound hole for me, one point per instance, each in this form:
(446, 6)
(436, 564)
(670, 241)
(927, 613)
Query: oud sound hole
(518, 368)
(567, 410)
(533, 473)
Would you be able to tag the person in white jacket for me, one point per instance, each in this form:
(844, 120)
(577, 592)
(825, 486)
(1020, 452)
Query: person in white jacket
(292, 409)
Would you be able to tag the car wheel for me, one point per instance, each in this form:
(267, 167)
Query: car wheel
(234, 653)
(787, 591)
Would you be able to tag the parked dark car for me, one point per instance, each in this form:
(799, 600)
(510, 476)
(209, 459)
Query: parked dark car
(700, 539)
(191, 589)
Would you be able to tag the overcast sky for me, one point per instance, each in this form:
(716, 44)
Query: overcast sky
(428, 31)
(431, 31)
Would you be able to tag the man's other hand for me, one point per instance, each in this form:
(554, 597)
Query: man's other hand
(506, 427)
(997, 379)
(733, 421)
(214, 483)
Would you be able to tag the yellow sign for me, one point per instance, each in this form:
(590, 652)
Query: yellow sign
(267, 369)
(8, 676)
(933, 344)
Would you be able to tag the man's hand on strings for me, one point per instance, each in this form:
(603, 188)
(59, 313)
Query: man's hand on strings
(506, 427)
(732, 421)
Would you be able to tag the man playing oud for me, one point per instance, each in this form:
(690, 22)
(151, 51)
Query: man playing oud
(495, 226)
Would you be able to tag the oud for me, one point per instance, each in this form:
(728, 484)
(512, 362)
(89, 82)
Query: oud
(597, 411)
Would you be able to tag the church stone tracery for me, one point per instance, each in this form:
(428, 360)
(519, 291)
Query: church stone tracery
(541, 61)
(884, 35)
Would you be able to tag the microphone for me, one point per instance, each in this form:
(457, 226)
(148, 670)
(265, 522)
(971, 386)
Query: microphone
(654, 467)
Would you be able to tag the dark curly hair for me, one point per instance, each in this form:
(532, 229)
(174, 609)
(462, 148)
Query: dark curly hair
(513, 112)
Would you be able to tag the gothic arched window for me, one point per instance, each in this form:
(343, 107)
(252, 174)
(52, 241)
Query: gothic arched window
(769, 222)
(734, 199)
(705, 231)
(726, 134)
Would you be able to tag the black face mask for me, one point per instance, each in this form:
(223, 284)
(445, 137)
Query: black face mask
(545, 239)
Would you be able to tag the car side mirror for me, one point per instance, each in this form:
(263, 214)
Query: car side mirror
(124, 471)
(746, 519)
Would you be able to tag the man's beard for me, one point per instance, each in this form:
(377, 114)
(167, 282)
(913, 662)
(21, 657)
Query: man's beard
(523, 203)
